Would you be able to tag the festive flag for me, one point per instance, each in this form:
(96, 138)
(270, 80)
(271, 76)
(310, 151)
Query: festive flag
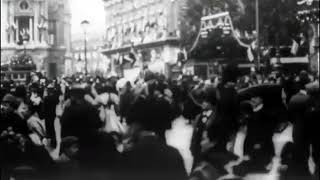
(185, 53)
(250, 54)
(131, 57)
(237, 33)
(254, 45)
(294, 47)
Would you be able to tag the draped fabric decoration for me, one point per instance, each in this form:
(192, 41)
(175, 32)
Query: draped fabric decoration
(22, 60)
(220, 20)
(310, 15)
(131, 58)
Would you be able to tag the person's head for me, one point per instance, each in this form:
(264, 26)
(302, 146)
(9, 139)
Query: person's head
(128, 85)
(77, 94)
(303, 80)
(150, 115)
(9, 104)
(208, 102)
(246, 112)
(206, 105)
(24, 109)
(34, 78)
(256, 101)
(209, 98)
(168, 95)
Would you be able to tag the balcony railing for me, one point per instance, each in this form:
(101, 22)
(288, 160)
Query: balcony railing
(125, 48)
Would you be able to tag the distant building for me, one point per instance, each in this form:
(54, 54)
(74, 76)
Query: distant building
(151, 27)
(38, 31)
(97, 63)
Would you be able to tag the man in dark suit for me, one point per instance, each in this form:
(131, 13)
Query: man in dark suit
(227, 105)
(126, 100)
(299, 106)
(49, 106)
(97, 155)
(148, 156)
(314, 132)
(201, 124)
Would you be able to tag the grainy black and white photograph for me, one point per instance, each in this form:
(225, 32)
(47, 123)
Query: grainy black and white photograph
(160, 90)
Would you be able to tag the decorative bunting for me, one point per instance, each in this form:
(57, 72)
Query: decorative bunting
(224, 21)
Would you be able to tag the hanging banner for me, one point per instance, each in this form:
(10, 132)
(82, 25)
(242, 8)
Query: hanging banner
(157, 66)
(131, 74)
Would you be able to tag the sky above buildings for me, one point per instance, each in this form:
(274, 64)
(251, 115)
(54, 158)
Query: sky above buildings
(91, 10)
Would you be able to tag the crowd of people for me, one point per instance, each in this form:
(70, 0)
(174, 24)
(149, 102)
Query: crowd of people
(84, 127)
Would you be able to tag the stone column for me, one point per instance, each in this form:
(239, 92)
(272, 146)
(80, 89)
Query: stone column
(17, 30)
(4, 20)
(43, 32)
(30, 30)
(36, 22)
(11, 20)
(40, 12)
(40, 7)
(39, 63)
(43, 36)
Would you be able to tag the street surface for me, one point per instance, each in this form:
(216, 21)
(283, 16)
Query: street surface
(180, 137)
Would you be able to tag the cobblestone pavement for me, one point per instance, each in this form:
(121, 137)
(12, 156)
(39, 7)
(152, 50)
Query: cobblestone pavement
(180, 136)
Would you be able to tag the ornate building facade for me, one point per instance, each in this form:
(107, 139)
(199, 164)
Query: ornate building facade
(39, 30)
(151, 27)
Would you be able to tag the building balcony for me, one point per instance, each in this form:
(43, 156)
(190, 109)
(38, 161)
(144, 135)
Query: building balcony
(126, 48)
(29, 46)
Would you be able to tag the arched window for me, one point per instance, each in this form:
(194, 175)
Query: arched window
(24, 5)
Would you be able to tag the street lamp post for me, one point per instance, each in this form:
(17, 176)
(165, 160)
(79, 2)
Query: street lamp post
(258, 34)
(84, 25)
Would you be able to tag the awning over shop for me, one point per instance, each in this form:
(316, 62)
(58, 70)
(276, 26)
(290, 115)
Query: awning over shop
(290, 60)
(246, 65)
(213, 61)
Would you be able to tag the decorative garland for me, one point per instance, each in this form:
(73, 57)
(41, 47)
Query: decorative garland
(309, 11)
(217, 25)
(308, 2)
(311, 15)
(23, 62)
(195, 42)
(235, 35)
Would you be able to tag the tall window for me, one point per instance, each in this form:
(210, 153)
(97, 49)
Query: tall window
(53, 31)
(23, 32)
